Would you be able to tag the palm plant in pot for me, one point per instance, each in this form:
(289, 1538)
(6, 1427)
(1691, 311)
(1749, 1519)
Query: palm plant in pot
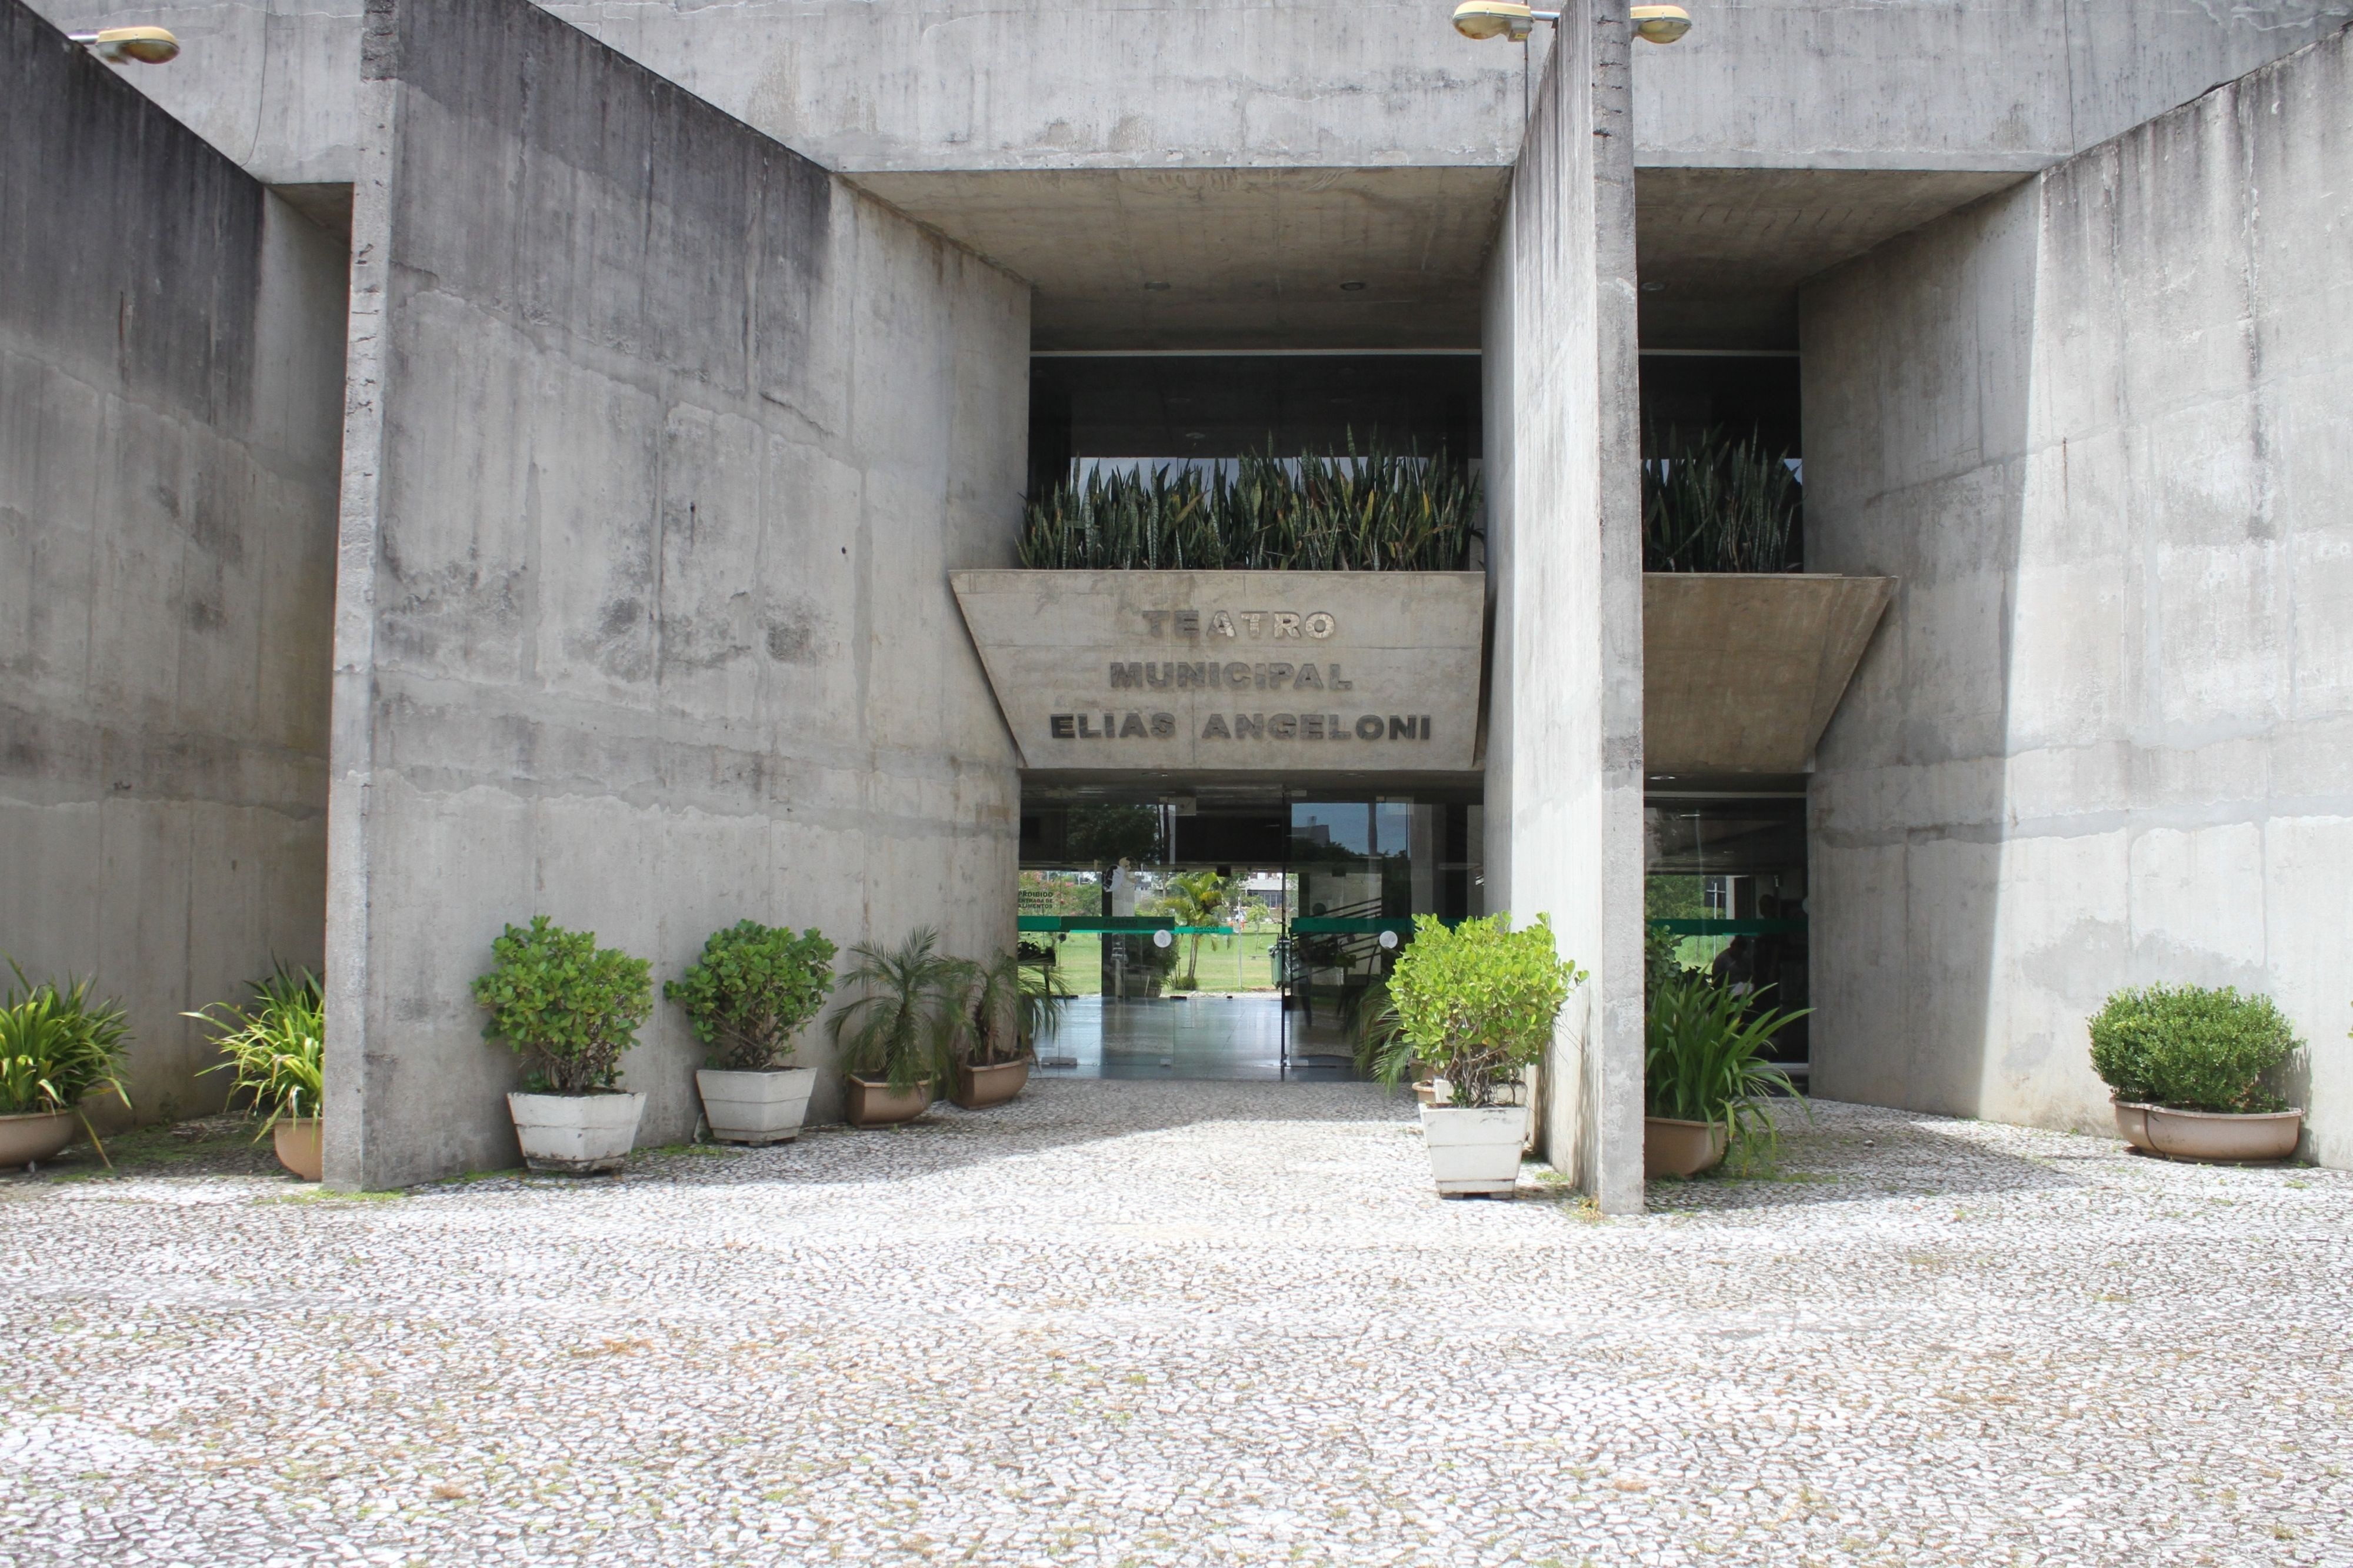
(1707, 1074)
(896, 1037)
(570, 1008)
(1478, 1003)
(2188, 1064)
(744, 997)
(59, 1045)
(1004, 1006)
(276, 1045)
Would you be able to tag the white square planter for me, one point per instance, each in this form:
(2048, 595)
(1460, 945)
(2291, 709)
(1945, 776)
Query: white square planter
(578, 1133)
(767, 1106)
(1474, 1151)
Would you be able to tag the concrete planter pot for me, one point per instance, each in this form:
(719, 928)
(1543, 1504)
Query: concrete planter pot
(874, 1103)
(2210, 1136)
(298, 1146)
(578, 1135)
(761, 1106)
(1676, 1148)
(1474, 1151)
(978, 1088)
(35, 1136)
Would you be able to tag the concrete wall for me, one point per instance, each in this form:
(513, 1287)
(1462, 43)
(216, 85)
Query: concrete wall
(1046, 84)
(171, 373)
(662, 444)
(1564, 792)
(2106, 737)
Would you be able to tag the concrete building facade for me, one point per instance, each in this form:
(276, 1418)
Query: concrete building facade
(685, 352)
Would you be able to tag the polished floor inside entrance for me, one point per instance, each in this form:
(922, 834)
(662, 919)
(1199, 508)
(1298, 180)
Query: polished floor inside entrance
(1195, 1036)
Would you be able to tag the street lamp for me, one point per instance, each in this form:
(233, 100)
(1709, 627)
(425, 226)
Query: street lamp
(148, 46)
(1514, 20)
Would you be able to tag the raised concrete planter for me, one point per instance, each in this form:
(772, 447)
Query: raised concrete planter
(978, 1088)
(1474, 1151)
(1672, 1147)
(765, 1106)
(2211, 1136)
(299, 1148)
(1741, 672)
(35, 1136)
(872, 1102)
(578, 1135)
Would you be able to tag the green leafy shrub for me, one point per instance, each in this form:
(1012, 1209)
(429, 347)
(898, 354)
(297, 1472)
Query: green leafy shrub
(1703, 1056)
(276, 1045)
(1479, 1003)
(1372, 511)
(2190, 1047)
(566, 1005)
(904, 1025)
(59, 1045)
(753, 986)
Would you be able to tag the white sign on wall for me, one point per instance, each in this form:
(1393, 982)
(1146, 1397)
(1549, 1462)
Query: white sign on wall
(1221, 671)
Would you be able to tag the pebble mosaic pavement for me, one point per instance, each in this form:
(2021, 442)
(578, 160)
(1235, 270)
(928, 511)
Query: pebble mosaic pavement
(1188, 1323)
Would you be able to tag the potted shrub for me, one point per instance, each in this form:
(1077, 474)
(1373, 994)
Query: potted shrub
(1004, 1006)
(276, 1045)
(750, 989)
(896, 1037)
(1478, 1004)
(2187, 1065)
(1704, 1073)
(58, 1045)
(570, 1008)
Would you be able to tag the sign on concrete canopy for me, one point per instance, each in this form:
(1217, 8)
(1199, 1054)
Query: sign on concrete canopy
(1232, 671)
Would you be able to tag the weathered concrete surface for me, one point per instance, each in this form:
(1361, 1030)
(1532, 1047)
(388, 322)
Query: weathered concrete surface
(2097, 427)
(932, 85)
(1318, 657)
(1742, 672)
(171, 362)
(1564, 791)
(662, 444)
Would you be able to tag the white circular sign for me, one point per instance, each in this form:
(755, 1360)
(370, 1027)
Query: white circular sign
(1389, 939)
(1162, 938)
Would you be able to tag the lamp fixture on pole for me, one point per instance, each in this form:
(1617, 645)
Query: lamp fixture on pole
(148, 46)
(1515, 20)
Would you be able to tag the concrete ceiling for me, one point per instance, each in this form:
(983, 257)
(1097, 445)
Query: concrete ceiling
(1223, 258)
(1721, 252)
(1190, 258)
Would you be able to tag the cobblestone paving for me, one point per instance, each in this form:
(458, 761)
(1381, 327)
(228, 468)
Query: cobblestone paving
(1188, 1323)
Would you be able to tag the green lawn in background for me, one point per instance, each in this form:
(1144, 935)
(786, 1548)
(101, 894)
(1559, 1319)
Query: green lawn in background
(1238, 963)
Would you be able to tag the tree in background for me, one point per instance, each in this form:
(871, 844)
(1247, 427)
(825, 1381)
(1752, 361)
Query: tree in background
(1195, 898)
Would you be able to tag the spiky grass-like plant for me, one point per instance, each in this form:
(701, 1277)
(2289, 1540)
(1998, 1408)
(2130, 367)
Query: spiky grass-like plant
(905, 1023)
(1712, 503)
(1373, 510)
(58, 1044)
(1706, 1059)
(276, 1045)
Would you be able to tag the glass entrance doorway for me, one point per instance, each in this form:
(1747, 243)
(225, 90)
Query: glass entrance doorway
(1240, 934)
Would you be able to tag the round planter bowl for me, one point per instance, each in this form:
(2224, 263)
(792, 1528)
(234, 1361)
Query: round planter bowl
(2132, 1123)
(1474, 1151)
(763, 1106)
(35, 1136)
(2222, 1137)
(1675, 1148)
(873, 1103)
(298, 1146)
(977, 1088)
(577, 1135)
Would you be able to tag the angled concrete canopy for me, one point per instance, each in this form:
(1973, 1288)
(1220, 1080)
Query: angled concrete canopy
(1283, 672)
(1741, 673)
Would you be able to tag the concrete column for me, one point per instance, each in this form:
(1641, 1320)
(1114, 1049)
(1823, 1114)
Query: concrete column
(662, 442)
(1564, 752)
